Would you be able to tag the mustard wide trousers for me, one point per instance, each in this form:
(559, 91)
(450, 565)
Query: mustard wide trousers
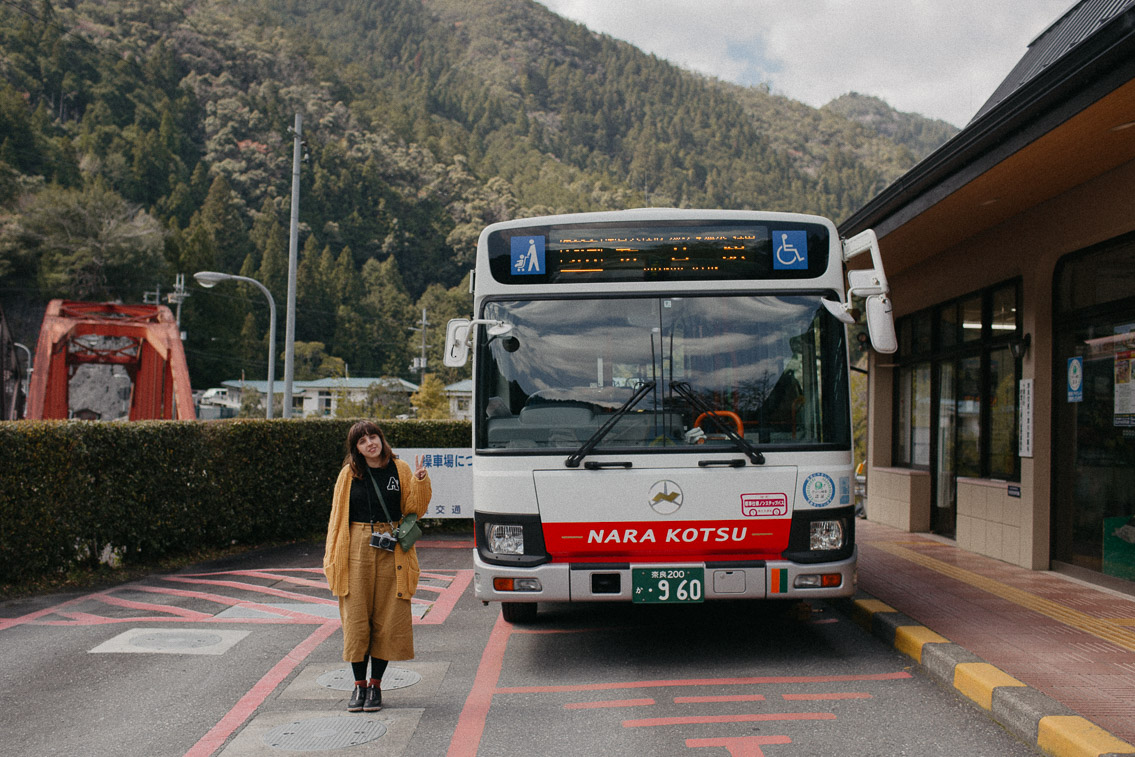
(375, 621)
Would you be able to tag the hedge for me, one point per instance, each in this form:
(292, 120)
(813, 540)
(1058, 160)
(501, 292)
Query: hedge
(72, 491)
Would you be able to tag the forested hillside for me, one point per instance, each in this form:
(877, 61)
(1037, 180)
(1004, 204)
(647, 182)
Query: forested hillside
(141, 139)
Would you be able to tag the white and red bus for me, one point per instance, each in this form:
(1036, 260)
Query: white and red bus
(662, 407)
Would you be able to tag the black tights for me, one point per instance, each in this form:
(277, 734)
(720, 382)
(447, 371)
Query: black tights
(377, 668)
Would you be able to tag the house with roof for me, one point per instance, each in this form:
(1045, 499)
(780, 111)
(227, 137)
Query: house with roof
(460, 397)
(319, 398)
(1006, 420)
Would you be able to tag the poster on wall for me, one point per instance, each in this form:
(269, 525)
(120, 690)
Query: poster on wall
(1025, 411)
(1075, 379)
(1124, 390)
(451, 478)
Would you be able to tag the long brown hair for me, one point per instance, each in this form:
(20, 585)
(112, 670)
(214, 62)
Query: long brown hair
(355, 458)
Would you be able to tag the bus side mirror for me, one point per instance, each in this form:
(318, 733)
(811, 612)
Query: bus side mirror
(881, 323)
(457, 342)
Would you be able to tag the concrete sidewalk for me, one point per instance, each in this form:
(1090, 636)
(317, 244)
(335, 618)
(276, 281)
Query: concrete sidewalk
(1051, 658)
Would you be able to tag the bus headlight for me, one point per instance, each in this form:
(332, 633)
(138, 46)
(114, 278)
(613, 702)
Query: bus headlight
(826, 535)
(503, 539)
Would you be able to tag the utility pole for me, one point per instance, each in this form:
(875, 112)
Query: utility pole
(293, 254)
(154, 297)
(419, 364)
(177, 297)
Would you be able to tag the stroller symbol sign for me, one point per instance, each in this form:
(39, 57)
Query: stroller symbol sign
(790, 250)
(527, 255)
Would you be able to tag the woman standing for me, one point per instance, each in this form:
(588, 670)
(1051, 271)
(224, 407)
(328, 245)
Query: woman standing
(373, 578)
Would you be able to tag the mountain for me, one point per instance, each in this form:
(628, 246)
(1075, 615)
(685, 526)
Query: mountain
(140, 139)
(921, 135)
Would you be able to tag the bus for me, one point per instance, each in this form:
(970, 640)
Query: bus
(661, 406)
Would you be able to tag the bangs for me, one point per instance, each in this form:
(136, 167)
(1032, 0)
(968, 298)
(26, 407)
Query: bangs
(361, 429)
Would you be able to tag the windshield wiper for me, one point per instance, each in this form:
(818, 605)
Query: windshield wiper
(687, 393)
(644, 389)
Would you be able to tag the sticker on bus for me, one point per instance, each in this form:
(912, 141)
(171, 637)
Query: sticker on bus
(764, 505)
(819, 489)
(528, 255)
(790, 250)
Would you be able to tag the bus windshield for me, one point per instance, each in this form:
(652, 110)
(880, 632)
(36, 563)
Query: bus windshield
(770, 367)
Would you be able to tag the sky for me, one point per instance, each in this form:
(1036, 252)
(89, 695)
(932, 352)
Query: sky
(938, 58)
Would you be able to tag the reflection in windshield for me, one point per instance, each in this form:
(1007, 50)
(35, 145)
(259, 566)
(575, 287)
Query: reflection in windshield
(773, 365)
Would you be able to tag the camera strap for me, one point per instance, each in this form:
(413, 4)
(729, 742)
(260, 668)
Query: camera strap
(381, 501)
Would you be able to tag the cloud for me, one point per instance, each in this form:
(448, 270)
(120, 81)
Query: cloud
(940, 58)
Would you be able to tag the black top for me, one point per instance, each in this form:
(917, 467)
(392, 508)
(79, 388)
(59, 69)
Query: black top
(365, 507)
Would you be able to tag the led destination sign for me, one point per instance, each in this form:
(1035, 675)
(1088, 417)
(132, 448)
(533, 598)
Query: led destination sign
(685, 252)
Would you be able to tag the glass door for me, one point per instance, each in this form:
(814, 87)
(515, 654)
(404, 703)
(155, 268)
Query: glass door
(943, 518)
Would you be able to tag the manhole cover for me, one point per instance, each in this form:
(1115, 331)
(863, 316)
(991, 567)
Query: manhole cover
(319, 734)
(394, 678)
(176, 640)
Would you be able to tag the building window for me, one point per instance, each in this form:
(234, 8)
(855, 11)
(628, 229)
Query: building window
(913, 436)
(957, 385)
(324, 402)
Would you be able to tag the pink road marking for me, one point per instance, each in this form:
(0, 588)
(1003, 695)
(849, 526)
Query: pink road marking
(243, 709)
(749, 718)
(439, 576)
(740, 746)
(704, 682)
(445, 603)
(434, 544)
(6, 623)
(251, 571)
(153, 607)
(254, 588)
(83, 619)
(272, 576)
(825, 697)
(609, 703)
(292, 615)
(729, 698)
(471, 723)
(440, 608)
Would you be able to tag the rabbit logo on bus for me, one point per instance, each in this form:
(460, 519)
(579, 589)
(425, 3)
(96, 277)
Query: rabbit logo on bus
(764, 505)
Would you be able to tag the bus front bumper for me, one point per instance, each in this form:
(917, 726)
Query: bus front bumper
(595, 582)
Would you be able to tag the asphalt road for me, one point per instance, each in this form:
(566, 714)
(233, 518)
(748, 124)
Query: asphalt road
(242, 657)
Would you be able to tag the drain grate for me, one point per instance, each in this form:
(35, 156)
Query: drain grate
(320, 734)
(394, 678)
(176, 640)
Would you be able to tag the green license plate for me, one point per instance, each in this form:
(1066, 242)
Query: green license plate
(667, 585)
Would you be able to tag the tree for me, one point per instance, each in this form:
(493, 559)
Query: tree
(380, 401)
(430, 400)
(90, 243)
(221, 216)
(312, 362)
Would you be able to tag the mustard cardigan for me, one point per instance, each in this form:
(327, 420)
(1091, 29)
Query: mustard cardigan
(415, 499)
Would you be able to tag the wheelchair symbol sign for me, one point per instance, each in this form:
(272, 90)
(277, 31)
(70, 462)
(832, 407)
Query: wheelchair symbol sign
(790, 250)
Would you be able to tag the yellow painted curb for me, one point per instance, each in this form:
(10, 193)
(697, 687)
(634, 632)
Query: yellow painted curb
(863, 609)
(909, 640)
(978, 679)
(1073, 736)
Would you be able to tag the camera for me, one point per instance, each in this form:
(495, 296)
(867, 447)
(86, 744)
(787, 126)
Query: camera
(385, 541)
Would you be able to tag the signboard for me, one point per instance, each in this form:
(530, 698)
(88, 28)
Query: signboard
(1025, 410)
(451, 477)
(1075, 379)
(1124, 390)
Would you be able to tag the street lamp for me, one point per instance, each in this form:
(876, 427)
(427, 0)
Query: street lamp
(210, 279)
